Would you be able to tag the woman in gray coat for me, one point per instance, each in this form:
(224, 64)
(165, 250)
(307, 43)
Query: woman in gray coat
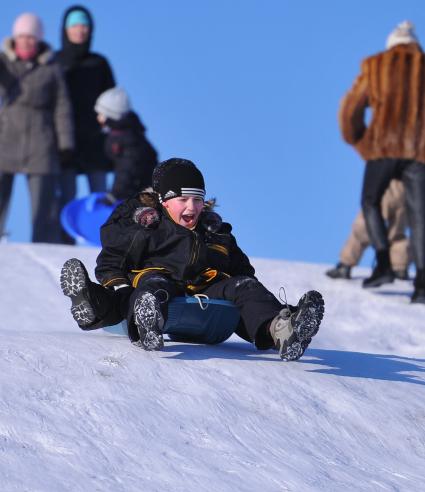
(35, 124)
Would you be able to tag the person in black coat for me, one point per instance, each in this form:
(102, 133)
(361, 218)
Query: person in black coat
(166, 243)
(132, 155)
(87, 75)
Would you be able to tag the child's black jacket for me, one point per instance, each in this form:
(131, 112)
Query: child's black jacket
(182, 254)
(133, 156)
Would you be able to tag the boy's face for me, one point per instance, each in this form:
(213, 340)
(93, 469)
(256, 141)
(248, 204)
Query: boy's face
(184, 210)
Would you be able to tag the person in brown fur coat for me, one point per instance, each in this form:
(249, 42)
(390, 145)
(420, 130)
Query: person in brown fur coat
(392, 84)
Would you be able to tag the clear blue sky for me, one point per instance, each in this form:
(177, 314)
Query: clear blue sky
(249, 90)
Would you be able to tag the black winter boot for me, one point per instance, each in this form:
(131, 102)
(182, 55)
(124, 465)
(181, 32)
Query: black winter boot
(382, 273)
(401, 274)
(418, 296)
(74, 281)
(340, 271)
(149, 321)
(292, 333)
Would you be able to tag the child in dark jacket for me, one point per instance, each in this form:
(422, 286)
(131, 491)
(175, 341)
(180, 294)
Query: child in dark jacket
(126, 145)
(166, 243)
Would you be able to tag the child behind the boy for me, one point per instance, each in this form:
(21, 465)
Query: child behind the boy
(132, 155)
(168, 242)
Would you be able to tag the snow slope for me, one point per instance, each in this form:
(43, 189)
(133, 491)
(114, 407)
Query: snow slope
(89, 412)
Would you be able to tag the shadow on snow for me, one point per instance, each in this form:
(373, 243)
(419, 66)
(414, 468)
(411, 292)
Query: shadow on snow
(368, 366)
(336, 362)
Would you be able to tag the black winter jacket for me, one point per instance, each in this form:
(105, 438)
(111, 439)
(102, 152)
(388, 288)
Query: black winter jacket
(182, 254)
(132, 156)
(87, 75)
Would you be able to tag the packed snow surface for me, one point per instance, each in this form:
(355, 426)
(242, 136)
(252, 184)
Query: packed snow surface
(87, 411)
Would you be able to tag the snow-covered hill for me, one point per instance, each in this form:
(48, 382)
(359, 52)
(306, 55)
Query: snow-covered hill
(88, 411)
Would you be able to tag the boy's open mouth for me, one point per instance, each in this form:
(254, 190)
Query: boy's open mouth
(188, 217)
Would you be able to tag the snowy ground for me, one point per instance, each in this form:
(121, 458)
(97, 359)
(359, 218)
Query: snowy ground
(90, 412)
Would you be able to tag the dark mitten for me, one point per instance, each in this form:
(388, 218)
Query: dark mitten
(211, 221)
(66, 157)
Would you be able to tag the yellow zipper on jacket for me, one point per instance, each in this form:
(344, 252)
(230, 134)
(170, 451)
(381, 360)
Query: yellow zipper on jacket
(140, 273)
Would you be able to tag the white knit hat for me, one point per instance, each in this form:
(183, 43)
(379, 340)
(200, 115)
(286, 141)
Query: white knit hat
(113, 103)
(28, 25)
(404, 33)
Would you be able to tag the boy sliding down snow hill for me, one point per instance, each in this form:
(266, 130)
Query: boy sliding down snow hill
(166, 243)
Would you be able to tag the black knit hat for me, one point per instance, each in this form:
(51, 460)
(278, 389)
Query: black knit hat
(177, 177)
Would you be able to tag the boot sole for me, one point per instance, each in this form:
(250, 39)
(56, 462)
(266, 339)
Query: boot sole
(307, 319)
(294, 351)
(149, 321)
(74, 284)
(305, 323)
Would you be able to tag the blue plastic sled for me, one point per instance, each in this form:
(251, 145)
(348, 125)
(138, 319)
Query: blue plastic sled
(196, 320)
(83, 217)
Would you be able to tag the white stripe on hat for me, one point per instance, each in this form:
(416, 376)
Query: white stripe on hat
(193, 191)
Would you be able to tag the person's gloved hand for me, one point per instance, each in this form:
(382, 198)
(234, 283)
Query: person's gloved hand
(66, 157)
(146, 217)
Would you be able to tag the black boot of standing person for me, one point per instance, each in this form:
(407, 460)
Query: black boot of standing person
(382, 273)
(418, 296)
(340, 271)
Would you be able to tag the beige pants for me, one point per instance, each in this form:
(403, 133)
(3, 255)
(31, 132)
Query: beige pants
(393, 211)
